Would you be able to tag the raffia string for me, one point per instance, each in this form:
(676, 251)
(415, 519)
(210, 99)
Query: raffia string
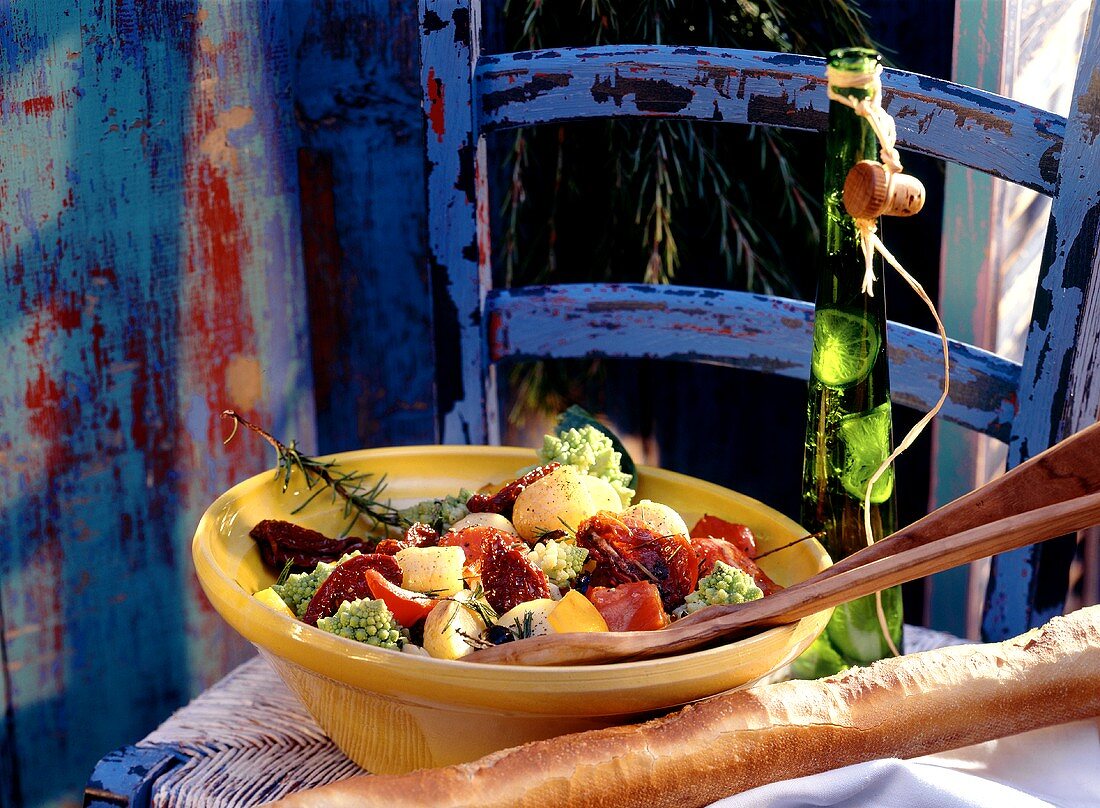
(882, 125)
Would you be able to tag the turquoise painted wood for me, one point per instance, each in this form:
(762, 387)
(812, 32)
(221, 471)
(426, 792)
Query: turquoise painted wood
(992, 134)
(969, 309)
(150, 250)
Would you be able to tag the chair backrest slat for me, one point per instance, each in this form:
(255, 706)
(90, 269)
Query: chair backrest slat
(996, 135)
(737, 329)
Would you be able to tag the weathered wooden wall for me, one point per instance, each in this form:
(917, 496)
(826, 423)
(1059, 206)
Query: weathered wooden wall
(151, 249)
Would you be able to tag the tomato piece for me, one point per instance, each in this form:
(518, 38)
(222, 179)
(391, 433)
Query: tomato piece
(508, 576)
(346, 582)
(709, 550)
(472, 541)
(408, 607)
(715, 528)
(633, 606)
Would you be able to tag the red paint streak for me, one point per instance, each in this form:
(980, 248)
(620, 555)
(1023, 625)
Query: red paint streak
(215, 314)
(50, 421)
(498, 336)
(67, 308)
(435, 104)
(484, 249)
(104, 273)
(99, 355)
(42, 105)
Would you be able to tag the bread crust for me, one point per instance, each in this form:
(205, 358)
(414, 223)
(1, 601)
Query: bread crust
(905, 707)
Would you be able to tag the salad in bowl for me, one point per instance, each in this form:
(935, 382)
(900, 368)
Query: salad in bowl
(562, 547)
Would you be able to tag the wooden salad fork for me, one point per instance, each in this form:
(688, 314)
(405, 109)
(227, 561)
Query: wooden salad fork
(1053, 493)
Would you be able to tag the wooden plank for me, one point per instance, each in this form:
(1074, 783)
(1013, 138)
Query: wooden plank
(933, 117)
(1059, 390)
(361, 173)
(458, 254)
(128, 776)
(737, 329)
(149, 245)
(967, 301)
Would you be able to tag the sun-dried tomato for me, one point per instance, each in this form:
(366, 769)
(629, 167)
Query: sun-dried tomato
(627, 549)
(419, 535)
(508, 576)
(386, 565)
(347, 582)
(503, 500)
(282, 541)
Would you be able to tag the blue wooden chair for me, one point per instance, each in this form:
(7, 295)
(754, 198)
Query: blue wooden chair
(468, 95)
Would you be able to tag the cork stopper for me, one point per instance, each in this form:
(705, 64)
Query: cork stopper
(870, 191)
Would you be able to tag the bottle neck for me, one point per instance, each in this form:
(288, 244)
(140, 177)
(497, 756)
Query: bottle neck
(848, 140)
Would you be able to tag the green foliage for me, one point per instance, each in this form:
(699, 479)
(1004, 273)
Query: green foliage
(661, 200)
(725, 584)
(562, 561)
(365, 620)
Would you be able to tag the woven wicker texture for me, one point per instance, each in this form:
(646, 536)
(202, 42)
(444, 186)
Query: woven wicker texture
(250, 740)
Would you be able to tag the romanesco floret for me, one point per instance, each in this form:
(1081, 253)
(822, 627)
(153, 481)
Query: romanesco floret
(725, 584)
(364, 620)
(562, 561)
(448, 509)
(592, 452)
(298, 589)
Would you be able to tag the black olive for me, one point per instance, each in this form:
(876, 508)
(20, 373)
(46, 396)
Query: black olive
(583, 582)
(498, 635)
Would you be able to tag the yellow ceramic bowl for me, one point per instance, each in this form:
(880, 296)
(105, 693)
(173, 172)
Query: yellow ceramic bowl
(394, 712)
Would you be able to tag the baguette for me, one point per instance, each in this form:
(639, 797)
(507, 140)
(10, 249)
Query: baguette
(903, 707)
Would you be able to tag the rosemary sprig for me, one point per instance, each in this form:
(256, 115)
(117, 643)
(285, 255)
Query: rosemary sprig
(359, 499)
(288, 567)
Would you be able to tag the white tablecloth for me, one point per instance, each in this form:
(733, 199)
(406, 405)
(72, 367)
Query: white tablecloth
(1056, 766)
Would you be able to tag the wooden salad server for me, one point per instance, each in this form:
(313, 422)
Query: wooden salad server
(1055, 492)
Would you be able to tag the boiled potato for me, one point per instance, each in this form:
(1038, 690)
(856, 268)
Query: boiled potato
(539, 608)
(604, 496)
(661, 519)
(496, 520)
(559, 500)
(435, 570)
(449, 624)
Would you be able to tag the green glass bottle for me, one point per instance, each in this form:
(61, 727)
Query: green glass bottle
(848, 420)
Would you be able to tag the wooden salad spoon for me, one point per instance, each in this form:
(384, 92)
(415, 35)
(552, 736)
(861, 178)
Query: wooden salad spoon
(1055, 492)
